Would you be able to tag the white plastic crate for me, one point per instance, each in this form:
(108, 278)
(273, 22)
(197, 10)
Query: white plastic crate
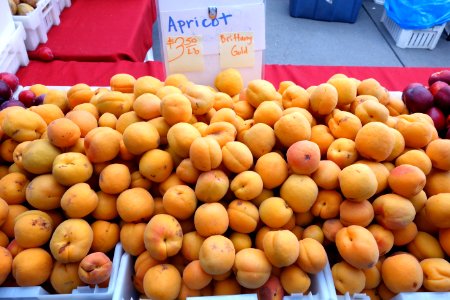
(61, 4)
(6, 21)
(38, 23)
(81, 293)
(13, 53)
(419, 38)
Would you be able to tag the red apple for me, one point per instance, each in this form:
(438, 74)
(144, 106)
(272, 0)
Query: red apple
(27, 97)
(11, 79)
(435, 87)
(5, 91)
(442, 99)
(438, 117)
(410, 86)
(443, 75)
(418, 99)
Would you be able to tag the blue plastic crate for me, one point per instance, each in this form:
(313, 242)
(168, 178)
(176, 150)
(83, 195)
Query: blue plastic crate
(81, 293)
(326, 10)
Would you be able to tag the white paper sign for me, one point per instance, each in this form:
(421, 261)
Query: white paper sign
(190, 19)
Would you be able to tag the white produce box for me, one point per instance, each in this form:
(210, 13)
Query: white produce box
(6, 21)
(61, 4)
(12, 50)
(38, 23)
(418, 38)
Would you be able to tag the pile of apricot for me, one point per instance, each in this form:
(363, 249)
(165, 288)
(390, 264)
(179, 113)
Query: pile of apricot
(227, 189)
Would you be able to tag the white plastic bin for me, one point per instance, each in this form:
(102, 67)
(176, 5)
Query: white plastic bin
(61, 4)
(6, 21)
(13, 53)
(81, 293)
(38, 23)
(405, 38)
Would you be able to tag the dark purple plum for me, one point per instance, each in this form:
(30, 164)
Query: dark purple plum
(5, 91)
(38, 100)
(442, 99)
(443, 75)
(418, 99)
(11, 79)
(12, 102)
(438, 117)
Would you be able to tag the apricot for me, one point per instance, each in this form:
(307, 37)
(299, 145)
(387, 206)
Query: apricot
(346, 89)
(95, 268)
(205, 153)
(140, 137)
(323, 99)
(296, 185)
(71, 240)
(4, 210)
(375, 141)
(312, 257)
(79, 200)
(260, 139)
(187, 172)
(237, 157)
(38, 156)
(146, 84)
(436, 274)
(58, 98)
(8, 223)
(357, 246)
(24, 126)
(399, 145)
(156, 165)
(357, 182)
(229, 81)
(217, 255)
(106, 208)
(294, 279)
(102, 144)
(132, 238)
(195, 277)
(438, 152)
(268, 112)
(405, 235)
(291, 128)
(275, 212)
(212, 186)
(147, 106)
(425, 245)
(180, 201)
(241, 241)
(107, 120)
(64, 277)
(13, 188)
(321, 135)
(437, 182)
(326, 205)
(84, 120)
(163, 236)
(229, 286)
(32, 229)
(135, 204)
(272, 168)
(402, 273)
(252, 268)
(281, 248)
(348, 279)
(222, 132)
(303, 157)
(5, 264)
(372, 111)
(437, 209)
(393, 211)
(162, 281)
(326, 175)
(356, 213)
(383, 237)
(371, 86)
(342, 151)
(201, 98)
(222, 100)
(247, 185)
(226, 115)
(343, 124)
(7, 149)
(180, 136)
(63, 132)
(260, 90)
(176, 108)
(106, 236)
(243, 216)
(32, 267)
(143, 262)
(406, 180)
(415, 157)
(417, 133)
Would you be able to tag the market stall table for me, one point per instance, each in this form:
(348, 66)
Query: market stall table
(103, 30)
(98, 74)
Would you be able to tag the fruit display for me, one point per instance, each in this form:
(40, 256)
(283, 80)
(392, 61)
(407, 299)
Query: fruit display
(22, 7)
(433, 100)
(222, 190)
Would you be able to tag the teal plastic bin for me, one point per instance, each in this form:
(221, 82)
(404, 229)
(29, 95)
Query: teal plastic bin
(326, 10)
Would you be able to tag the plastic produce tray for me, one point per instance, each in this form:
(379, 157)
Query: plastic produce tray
(405, 38)
(38, 23)
(6, 22)
(82, 292)
(13, 53)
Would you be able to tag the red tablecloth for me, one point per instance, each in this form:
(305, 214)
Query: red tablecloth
(98, 74)
(103, 30)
